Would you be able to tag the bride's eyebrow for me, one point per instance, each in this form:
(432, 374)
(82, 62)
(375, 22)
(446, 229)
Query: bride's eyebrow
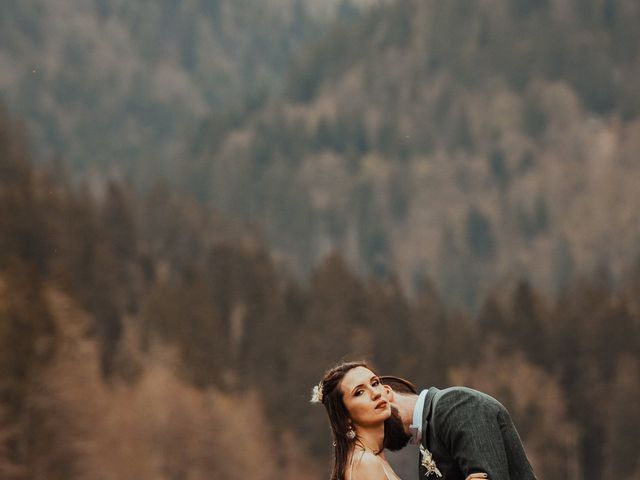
(375, 377)
(356, 388)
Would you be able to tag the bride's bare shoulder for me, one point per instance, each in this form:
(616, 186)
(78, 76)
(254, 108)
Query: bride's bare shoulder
(367, 466)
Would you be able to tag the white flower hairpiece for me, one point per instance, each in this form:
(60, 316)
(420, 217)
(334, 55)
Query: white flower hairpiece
(316, 394)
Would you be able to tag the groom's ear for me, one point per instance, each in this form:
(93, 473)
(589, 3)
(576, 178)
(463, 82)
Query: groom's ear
(390, 392)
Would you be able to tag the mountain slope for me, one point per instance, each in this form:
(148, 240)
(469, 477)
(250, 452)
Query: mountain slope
(119, 83)
(472, 142)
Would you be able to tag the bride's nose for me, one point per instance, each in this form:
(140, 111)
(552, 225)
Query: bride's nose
(375, 395)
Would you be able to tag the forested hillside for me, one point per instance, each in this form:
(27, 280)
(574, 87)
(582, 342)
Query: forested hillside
(471, 142)
(147, 337)
(445, 188)
(121, 84)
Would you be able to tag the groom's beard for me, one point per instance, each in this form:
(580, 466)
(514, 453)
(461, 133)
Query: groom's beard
(395, 437)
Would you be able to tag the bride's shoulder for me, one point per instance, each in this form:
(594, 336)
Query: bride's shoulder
(367, 465)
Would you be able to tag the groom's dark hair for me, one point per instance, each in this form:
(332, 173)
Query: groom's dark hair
(399, 385)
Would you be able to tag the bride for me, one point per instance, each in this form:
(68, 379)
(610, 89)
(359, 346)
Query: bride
(357, 405)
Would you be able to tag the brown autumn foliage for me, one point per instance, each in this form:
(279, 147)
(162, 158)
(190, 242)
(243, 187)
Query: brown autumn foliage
(536, 404)
(623, 421)
(147, 339)
(8, 468)
(157, 426)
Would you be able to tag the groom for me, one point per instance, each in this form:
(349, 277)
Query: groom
(460, 431)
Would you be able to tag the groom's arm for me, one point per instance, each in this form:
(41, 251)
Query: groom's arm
(466, 423)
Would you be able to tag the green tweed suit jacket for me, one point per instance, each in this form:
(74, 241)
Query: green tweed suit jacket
(468, 431)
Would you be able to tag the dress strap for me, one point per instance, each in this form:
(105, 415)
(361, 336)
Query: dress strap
(386, 474)
(353, 456)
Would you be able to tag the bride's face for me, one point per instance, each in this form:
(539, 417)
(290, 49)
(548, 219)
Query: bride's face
(365, 398)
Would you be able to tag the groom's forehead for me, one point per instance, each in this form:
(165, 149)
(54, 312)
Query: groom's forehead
(399, 384)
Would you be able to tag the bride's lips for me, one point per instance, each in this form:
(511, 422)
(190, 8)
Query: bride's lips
(381, 404)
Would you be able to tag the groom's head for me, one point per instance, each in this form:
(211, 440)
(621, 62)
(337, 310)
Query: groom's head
(402, 397)
(399, 385)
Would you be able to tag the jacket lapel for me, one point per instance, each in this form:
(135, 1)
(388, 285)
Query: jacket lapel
(426, 416)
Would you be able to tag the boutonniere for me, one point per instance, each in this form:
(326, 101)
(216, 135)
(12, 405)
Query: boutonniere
(429, 463)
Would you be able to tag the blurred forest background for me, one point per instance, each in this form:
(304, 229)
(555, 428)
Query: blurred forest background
(204, 204)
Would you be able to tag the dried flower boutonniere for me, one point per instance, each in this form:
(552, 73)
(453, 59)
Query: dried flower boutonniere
(429, 463)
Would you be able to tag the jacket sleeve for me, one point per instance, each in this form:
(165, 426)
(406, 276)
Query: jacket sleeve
(467, 424)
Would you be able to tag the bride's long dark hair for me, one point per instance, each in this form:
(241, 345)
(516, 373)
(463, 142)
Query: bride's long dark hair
(331, 398)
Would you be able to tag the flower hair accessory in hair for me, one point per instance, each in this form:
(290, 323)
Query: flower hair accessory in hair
(316, 394)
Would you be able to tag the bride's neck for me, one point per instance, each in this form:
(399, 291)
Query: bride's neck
(371, 438)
